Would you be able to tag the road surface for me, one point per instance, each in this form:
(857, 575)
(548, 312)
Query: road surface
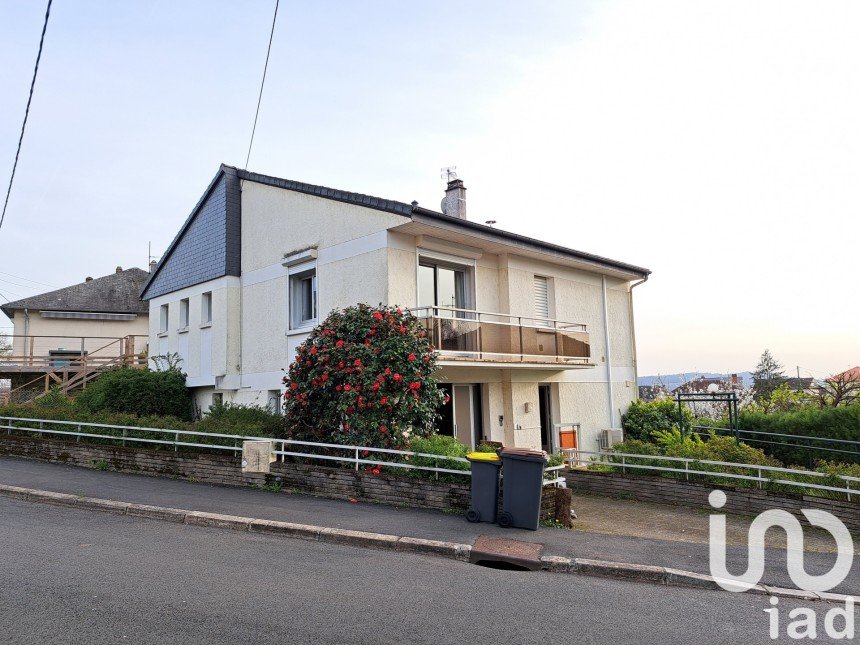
(78, 576)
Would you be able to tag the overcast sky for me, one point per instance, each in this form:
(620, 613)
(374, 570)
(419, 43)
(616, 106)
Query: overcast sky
(716, 143)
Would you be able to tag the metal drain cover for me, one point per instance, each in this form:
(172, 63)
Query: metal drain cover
(493, 549)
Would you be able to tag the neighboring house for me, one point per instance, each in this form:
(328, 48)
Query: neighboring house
(521, 324)
(64, 336)
(650, 393)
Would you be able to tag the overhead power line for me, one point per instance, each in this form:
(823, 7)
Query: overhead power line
(26, 113)
(262, 84)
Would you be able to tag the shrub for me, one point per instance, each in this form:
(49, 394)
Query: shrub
(437, 445)
(833, 423)
(641, 418)
(248, 420)
(139, 392)
(365, 376)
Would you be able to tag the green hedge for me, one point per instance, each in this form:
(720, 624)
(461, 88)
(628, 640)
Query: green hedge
(833, 423)
(139, 392)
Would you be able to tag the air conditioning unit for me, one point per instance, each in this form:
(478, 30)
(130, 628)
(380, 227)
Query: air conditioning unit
(608, 438)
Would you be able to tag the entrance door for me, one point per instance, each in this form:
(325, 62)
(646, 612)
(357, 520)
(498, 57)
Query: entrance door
(461, 417)
(546, 433)
(464, 418)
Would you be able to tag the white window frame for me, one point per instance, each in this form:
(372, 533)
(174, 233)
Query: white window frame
(184, 313)
(423, 256)
(206, 308)
(164, 319)
(297, 274)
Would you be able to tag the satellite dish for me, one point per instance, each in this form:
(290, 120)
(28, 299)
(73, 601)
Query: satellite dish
(713, 388)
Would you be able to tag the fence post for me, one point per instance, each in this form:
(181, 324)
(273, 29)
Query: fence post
(356, 459)
(623, 466)
(123, 437)
(436, 465)
(759, 479)
(848, 486)
(78, 438)
(687, 470)
(176, 442)
(41, 427)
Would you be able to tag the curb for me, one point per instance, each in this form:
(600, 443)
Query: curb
(452, 550)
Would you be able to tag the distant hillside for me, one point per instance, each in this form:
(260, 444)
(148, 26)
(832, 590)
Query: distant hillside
(672, 381)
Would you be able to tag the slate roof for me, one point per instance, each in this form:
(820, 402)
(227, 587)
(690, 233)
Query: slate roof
(412, 210)
(114, 293)
(407, 211)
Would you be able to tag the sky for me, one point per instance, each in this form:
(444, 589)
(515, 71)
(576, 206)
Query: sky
(715, 143)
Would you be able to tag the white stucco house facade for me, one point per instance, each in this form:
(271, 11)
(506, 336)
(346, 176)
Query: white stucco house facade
(533, 337)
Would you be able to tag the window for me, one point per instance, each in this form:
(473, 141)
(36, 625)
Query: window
(541, 289)
(206, 308)
(165, 312)
(303, 298)
(445, 286)
(183, 313)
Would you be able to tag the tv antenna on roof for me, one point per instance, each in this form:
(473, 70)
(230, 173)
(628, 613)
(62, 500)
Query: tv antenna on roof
(449, 173)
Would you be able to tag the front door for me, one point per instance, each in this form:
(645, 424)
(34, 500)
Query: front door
(461, 417)
(544, 401)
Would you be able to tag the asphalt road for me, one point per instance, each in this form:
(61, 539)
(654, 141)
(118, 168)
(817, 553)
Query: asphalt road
(305, 509)
(76, 576)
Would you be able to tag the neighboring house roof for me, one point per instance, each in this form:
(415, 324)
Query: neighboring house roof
(848, 375)
(115, 293)
(802, 383)
(228, 265)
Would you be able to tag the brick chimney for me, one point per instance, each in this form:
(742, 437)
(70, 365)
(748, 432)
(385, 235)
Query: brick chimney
(152, 265)
(454, 204)
(119, 269)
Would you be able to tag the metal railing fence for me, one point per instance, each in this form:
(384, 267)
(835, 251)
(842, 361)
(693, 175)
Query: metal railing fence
(690, 467)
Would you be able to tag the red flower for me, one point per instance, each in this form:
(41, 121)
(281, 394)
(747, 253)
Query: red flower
(313, 351)
(399, 311)
(415, 386)
(421, 334)
(364, 453)
(375, 386)
(447, 399)
(383, 400)
(383, 429)
(294, 386)
(357, 362)
(388, 371)
(338, 387)
(411, 357)
(377, 315)
(401, 329)
(397, 377)
(339, 343)
(367, 342)
(341, 365)
(347, 387)
(376, 470)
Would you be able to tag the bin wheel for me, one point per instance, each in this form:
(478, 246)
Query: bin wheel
(506, 520)
(473, 515)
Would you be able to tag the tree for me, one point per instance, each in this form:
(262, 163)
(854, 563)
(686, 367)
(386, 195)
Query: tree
(839, 389)
(366, 376)
(767, 376)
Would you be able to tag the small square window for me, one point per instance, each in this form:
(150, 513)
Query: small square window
(183, 313)
(206, 308)
(303, 299)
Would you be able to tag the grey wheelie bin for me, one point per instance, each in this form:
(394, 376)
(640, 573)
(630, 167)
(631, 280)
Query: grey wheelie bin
(485, 486)
(522, 484)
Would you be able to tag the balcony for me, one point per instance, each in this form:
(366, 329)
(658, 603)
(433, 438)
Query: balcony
(464, 335)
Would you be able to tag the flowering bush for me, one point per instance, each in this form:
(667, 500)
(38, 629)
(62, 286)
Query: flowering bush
(365, 376)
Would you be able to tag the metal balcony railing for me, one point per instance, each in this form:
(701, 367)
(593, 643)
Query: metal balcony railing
(464, 334)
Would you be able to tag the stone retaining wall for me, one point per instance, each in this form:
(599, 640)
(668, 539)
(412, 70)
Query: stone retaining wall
(339, 483)
(745, 501)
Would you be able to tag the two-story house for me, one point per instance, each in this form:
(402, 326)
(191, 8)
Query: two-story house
(532, 336)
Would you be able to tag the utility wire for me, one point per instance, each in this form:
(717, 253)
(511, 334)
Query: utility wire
(262, 84)
(26, 113)
(20, 277)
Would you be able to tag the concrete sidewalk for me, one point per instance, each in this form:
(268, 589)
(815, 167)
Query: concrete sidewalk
(616, 530)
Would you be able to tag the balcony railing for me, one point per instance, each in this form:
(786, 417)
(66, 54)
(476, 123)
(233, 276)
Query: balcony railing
(463, 334)
(72, 353)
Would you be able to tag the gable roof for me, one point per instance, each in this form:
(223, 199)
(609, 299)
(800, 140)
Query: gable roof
(115, 293)
(407, 211)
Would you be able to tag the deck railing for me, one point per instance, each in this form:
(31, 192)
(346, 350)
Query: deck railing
(48, 353)
(465, 334)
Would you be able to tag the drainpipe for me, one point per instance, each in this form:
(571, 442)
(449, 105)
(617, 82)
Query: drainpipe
(633, 335)
(608, 353)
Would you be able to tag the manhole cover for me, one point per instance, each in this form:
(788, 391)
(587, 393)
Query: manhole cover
(489, 550)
